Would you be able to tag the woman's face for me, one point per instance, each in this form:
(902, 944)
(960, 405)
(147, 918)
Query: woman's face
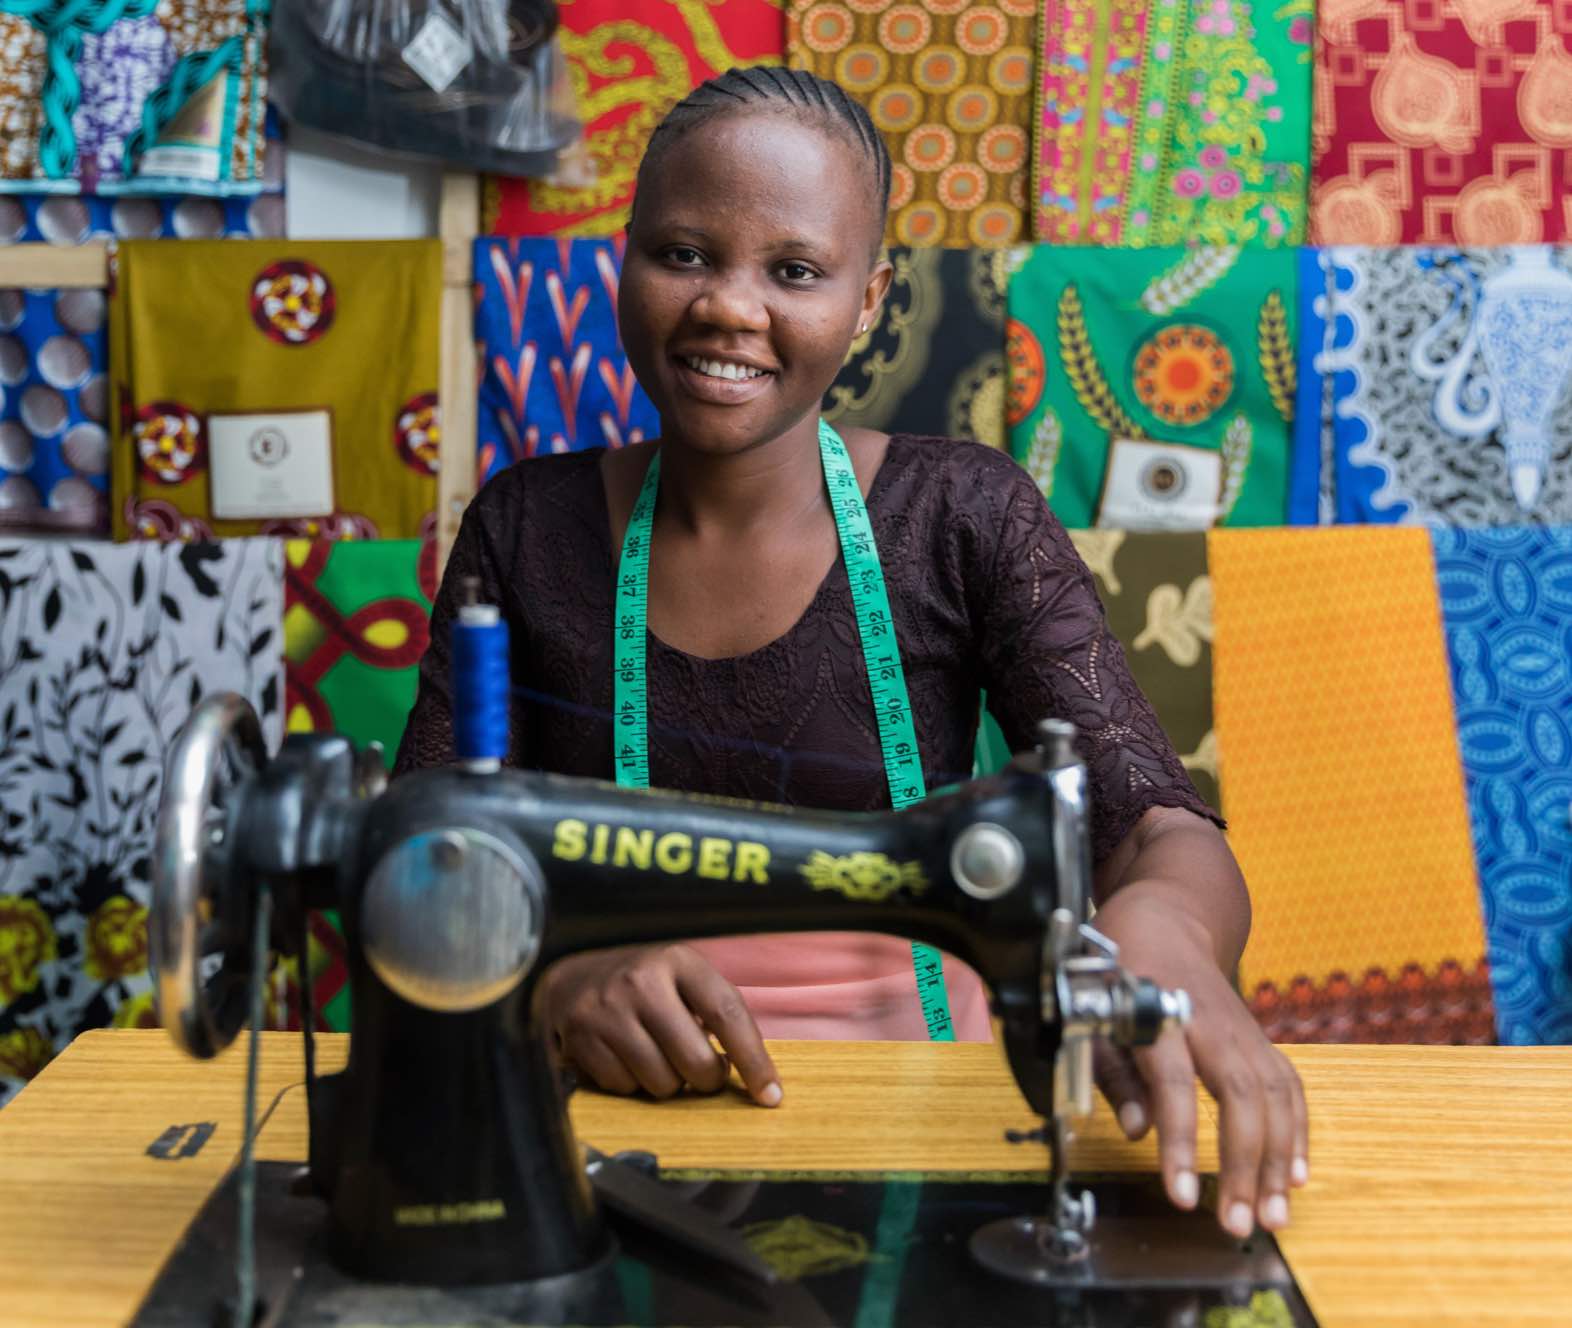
(746, 276)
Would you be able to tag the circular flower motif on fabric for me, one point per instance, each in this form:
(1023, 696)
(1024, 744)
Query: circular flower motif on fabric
(905, 29)
(169, 441)
(1189, 184)
(945, 6)
(903, 184)
(869, 6)
(896, 108)
(1002, 149)
(920, 224)
(116, 940)
(929, 147)
(24, 1052)
(939, 69)
(1019, 8)
(1027, 367)
(418, 433)
(1183, 374)
(292, 302)
(826, 28)
(1010, 71)
(994, 225)
(972, 109)
(27, 943)
(981, 31)
(861, 68)
(962, 186)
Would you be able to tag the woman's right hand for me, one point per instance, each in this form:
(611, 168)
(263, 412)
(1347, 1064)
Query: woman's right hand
(641, 1017)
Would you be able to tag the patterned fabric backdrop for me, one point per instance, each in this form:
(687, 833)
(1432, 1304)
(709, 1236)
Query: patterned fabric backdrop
(933, 361)
(1442, 122)
(1154, 389)
(1158, 597)
(553, 375)
(1506, 597)
(1172, 122)
(1447, 373)
(133, 96)
(104, 649)
(949, 85)
(295, 320)
(631, 61)
(1343, 789)
(54, 390)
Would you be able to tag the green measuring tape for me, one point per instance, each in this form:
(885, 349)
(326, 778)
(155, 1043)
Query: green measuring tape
(880, 652)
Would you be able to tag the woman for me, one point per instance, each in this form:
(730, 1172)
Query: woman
(752, 263)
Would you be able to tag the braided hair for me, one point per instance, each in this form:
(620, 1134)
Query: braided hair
(776, 88)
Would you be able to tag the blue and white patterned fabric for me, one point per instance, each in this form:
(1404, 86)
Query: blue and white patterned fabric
(1310, 499)
(1506, 602)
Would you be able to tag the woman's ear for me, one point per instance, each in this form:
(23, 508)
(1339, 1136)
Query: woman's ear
(874, 292)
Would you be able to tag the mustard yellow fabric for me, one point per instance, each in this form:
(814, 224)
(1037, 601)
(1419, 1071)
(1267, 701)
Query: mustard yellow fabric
(251, 326)
(1341, 777)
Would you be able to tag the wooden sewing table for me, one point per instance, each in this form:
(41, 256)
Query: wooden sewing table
(1441, 1178)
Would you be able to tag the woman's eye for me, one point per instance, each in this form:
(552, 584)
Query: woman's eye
(797, 272)
(683, 256)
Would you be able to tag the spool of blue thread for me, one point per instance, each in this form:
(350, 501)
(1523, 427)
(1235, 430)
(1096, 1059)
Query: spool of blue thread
(481, 684)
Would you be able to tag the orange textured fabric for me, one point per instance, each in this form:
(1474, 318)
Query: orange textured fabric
(1341, 778)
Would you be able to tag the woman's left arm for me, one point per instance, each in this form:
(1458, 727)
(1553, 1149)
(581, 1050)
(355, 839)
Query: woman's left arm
(1171, 897)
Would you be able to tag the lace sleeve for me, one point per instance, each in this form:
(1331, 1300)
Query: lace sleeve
(1047, 652)
(476, 552)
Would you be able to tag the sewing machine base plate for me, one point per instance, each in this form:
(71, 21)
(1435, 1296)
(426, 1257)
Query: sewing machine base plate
(857, 1251)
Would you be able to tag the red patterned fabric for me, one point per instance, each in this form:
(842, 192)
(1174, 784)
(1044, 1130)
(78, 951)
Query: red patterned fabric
(1442, 122)
(631, 62)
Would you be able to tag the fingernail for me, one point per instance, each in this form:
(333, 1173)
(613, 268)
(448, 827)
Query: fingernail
(1274, 1213)
(1238, 1219)
(771, 1096)
(1132, 1119)
(1300, 1172)
(1187, 1189)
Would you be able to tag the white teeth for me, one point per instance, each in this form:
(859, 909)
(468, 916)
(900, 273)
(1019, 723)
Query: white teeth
(722, 369)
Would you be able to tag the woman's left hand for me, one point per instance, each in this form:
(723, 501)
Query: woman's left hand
(1264, 1134)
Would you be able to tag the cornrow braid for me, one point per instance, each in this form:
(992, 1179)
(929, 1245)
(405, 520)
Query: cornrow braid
(776, 87)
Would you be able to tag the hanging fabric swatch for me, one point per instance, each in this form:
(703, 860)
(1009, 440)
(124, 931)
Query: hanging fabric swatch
(1158, 597)
(933, 360)
(54, 392)
(1442, 122)
(321, 417)
(1170, 122)
(949, 87)
(1448, 373)
(1506, 600)
(133, 96)
(553, 374)
(631, 61)
(1343, 788)
(1154, 389)
(104, 650)
(1310, 498)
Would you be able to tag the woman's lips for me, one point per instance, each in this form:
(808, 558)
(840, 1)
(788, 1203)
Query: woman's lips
(719, 391)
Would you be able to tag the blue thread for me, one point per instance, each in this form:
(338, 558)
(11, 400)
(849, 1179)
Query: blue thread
(481, 685)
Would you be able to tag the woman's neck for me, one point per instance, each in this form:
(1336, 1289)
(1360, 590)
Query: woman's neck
(730, 494)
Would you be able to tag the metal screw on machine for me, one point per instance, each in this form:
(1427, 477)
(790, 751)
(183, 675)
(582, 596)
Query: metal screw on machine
(987, 860)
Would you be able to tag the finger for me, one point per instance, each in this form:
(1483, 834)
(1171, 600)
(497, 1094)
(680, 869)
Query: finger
(600, 1064)
(1278, 1082)
(726, 1015)
(1170, 1084)
(1237, 1088)
(684, 1043)
(1299, 1168)
(1122, 1085)
(644, 1057)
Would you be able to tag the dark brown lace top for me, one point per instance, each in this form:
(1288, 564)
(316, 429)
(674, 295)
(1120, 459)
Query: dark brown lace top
(987, 592)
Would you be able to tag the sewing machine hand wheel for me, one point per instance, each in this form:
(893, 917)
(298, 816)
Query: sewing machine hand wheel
(200, 925)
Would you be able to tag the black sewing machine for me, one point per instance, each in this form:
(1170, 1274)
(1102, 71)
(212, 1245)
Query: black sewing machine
(452, 1181)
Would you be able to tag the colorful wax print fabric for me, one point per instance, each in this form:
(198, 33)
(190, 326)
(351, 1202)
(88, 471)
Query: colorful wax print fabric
(1310, 469)
(1158, 596)
(1343, 787)
(54, 388)
(1448, 375)
(553, 374)
(320, 418)
(104, 650)
(949, 86)
(1442, 122)
(933, 360)
(631, 61)
(133, 96)
(1506, 600)
(1154, 389)
(1173, 122)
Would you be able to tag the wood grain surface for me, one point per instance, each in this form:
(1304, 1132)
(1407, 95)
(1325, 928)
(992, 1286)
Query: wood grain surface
(1441, 1178)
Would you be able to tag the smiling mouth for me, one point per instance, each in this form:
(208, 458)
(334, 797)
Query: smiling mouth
(726, 370)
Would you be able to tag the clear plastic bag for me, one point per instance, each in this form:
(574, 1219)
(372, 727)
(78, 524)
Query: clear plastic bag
(479, 84)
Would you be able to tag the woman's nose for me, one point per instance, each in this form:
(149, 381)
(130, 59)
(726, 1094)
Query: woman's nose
(733, 303)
